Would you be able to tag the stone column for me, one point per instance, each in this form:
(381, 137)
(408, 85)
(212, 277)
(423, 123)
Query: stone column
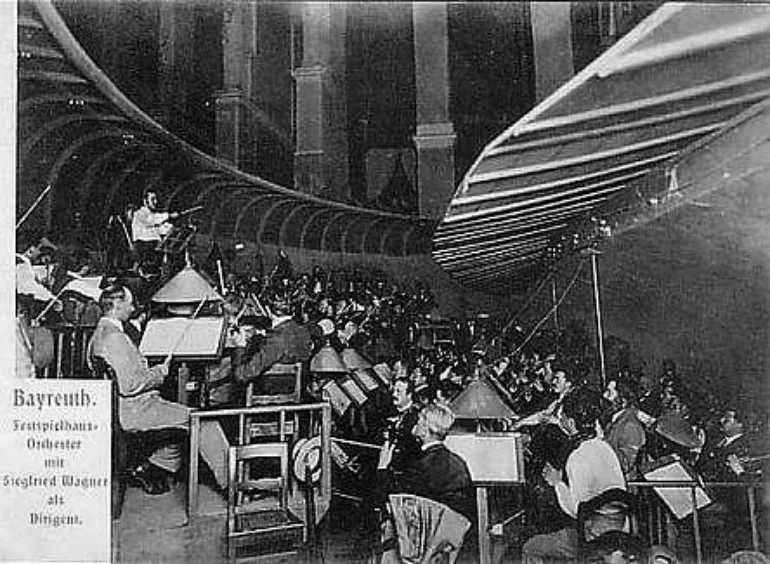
(238, 45)
(435, 136)
(175, 58)
(552, 42)
(321, 152)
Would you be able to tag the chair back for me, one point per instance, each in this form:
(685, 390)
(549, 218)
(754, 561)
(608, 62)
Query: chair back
(427, 531)
(242, 484)
(608, 511)
(256, 525)
(279, 384)
(101, 369)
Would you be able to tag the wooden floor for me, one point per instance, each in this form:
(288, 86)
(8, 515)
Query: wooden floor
(154, 529)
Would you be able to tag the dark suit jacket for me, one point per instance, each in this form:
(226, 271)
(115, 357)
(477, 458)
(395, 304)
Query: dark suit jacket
(289, 342)
(712, 463)
(406, 445)
(437, 474)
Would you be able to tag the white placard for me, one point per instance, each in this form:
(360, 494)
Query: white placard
(55, 486)
(492, 457)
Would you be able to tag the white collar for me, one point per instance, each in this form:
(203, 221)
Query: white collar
(426, 446)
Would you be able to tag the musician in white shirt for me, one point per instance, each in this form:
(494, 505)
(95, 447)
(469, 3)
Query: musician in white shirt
(591, 469)
(27, 281)
(148, 226)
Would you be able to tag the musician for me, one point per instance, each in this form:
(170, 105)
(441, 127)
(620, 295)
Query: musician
(27, 282)
(286, 342)
(437, 473)
(406, 447)
(561, 384)
(148, 226)
(724, 459)
(728, 458)
(591, 469)
(624, 432)
(80, 292)
(223, 389)
(140, 404)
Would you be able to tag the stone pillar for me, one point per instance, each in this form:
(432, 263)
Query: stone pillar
(552, 42)
(321, 152)
(238, 46)
(176, 22)
(229, 122)
(435, 136)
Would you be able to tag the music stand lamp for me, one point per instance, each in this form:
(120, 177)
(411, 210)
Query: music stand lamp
(493, 458)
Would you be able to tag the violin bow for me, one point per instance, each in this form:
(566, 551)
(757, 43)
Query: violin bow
(48, 306)
(186, 328)
(33, 206)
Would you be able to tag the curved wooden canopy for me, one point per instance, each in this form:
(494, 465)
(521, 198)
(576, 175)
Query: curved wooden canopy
(606, 136)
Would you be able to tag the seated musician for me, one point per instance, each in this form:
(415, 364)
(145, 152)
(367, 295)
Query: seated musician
(591, 468)
(27, 281)
(730, 457)
(406, 447)
(80, 290)
(549, 442)
(437, 473)
(244, 335)
(624, 431)
(140, 404)
(287, 341)
(561, 382)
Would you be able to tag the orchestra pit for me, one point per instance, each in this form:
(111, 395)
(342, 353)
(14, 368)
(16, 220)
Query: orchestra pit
(406, 282)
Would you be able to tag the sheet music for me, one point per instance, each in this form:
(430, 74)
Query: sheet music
(202, 337)
(365, 379)
(679, 500)
(86, 286)
(384, 373)
(339, 400)
(353, 390)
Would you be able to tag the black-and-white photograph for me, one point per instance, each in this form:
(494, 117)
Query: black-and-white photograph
(388, 282)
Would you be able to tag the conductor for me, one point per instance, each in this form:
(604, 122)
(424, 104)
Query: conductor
(148, 227)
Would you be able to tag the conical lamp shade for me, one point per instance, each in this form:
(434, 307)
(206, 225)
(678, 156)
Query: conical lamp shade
(187, 286)
(675, 428)
(353, 360)
(480, 400)
(327, 360)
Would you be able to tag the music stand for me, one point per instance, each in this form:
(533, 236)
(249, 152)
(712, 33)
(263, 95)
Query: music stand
(678, 499)
(492, 459)
(177, 240)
